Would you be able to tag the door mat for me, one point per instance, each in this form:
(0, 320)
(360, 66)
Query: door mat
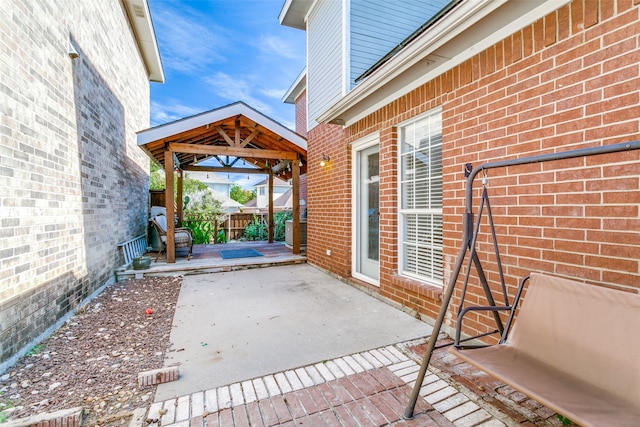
(239, 253)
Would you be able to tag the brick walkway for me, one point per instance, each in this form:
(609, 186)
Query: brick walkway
(364, 389)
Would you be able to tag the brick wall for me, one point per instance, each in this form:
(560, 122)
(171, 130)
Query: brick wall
(72, 179)
(568, 81)
(301, 114)
(329, 200)
(301, 129)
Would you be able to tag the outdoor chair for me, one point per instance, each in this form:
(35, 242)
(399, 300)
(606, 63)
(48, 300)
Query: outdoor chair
(182, 239)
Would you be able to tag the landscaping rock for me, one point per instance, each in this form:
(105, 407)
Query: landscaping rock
(94, 359)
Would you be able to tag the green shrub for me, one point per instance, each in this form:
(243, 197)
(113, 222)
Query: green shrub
(202, 215)
(201, 230)
(257, 229)
(279, 224)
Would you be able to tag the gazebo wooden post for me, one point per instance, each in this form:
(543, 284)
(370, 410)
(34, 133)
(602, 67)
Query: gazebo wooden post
(168, 201)
(295, 182)
(270, 201)
(179, 198)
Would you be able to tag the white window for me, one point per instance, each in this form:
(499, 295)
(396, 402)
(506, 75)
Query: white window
(262, 191)
(420, 213)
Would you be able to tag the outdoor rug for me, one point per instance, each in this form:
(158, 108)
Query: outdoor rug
(239, 253)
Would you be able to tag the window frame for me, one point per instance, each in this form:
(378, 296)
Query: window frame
(402, 212)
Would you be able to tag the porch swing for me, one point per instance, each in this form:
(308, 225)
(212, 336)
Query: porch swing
(546, 348)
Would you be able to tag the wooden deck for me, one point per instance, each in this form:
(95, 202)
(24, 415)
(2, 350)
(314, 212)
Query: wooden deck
(207, 259)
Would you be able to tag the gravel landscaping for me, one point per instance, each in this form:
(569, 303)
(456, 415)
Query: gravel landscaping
(94, 359)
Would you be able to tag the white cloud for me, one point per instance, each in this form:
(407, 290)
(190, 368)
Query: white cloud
(273, 93)
(236, 89)
(169, 112)
(270, 44)
(188, 40)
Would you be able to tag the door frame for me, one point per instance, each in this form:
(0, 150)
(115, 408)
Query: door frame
(363, 143)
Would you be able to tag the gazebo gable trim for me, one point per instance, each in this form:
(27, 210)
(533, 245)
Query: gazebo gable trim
(219, 115)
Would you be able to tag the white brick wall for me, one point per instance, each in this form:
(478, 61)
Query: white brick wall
(73, 183)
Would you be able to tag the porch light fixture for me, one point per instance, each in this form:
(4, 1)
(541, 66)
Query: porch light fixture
(72, 52)
(325, 160)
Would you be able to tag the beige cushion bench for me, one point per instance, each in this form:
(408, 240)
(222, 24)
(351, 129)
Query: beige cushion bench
(574, 348)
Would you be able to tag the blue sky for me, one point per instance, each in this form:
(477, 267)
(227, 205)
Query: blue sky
(216, 52)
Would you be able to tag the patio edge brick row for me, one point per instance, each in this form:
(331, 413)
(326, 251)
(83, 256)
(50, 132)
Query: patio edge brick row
(362, 389)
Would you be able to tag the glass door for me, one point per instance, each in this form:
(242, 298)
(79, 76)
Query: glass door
(367, 214)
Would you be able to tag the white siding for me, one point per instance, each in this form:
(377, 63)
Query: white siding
(377, 26)
(324, 53)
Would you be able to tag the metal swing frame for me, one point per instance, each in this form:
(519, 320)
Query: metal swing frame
(470, 232)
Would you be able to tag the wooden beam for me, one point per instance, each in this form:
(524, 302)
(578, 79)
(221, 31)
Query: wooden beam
(236, 141)
(270, 199)
(224, 135)
(179, 197)
(248, 139)
(212, 150)
(168, 202)
(224, 169)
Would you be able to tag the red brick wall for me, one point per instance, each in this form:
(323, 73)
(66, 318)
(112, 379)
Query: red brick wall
(329, 200)
(570, 80)
(303, 190)
(301, 129)
(301, 114)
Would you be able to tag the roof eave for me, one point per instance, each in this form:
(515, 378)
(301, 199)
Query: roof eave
(140, 20)
(203, 119)
(296, 88)
(294, 13)
(421, 60)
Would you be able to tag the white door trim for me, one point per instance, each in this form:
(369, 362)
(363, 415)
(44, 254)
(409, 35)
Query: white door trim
(363, 143)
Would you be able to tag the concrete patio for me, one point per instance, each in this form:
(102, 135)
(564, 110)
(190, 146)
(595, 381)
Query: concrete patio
(238, 325)
(299, 375)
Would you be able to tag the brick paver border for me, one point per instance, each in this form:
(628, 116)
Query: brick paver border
(363, 389)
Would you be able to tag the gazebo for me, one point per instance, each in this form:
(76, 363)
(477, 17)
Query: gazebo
(241, 140)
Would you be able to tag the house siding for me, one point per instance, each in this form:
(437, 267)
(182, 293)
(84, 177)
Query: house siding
(325, 58)
(73, 183)
(378, 26)
(570, 80)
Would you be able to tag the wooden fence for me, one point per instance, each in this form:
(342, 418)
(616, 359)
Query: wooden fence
(235, 223)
